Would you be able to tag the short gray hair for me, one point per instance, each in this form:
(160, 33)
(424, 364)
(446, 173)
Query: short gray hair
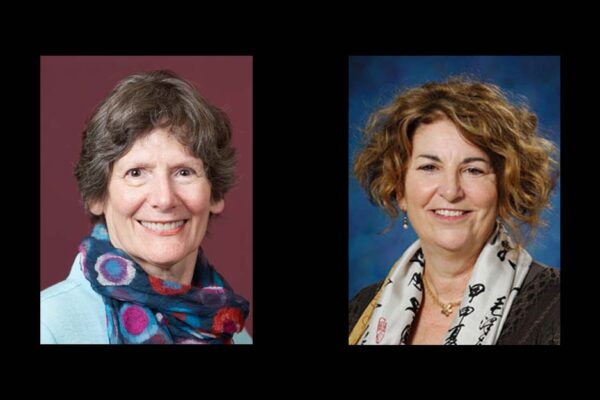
(136, 106)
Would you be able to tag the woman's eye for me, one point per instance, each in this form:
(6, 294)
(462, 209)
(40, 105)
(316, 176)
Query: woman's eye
(185, 172)
(428, 167)
(474, 171)
(134, 172)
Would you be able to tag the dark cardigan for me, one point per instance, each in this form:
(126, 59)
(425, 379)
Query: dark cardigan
(534, 317)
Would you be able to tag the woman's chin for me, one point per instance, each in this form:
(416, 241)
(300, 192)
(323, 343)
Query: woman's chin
(163, 261)
(171, 253)
(453, 244)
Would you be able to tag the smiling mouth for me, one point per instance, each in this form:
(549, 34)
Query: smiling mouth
(164, 228)
(450, 215)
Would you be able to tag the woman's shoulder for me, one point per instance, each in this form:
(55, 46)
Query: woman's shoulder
(534, 317)
(68, 295)
(366, 293)
(70, 312)
(59, 291)
(360, 301)
(543, 275)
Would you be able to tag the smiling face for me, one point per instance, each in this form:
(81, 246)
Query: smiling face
(450, 191)
(158, 204)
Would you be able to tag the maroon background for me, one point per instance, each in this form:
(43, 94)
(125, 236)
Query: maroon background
(71, 88)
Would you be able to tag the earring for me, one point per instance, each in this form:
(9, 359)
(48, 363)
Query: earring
(405, 221)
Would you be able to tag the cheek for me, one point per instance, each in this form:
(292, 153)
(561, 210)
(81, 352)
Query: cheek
(126, 202)
(484, 196)
(197, 202)
(419, 192)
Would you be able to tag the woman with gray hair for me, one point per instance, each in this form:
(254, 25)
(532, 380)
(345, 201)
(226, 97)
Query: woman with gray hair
(156, 162)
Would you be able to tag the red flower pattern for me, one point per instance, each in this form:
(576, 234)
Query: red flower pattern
(228, 320)
(159, 285)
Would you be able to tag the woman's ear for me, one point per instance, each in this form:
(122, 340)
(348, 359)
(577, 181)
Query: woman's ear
(217, 207)
(401, 200)
(96, 207)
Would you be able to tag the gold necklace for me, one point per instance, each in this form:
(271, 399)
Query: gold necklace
(446, 307)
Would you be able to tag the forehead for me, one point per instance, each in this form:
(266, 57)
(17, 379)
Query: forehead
(442, 137)
(158, 144)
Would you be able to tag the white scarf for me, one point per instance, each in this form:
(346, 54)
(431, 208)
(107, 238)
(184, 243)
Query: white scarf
(496, 279)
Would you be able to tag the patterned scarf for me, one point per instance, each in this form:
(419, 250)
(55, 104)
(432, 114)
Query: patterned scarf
(496, 279)
(143, 309)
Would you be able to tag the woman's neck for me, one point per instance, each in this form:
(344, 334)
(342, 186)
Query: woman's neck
(181, 272)
(449, 273)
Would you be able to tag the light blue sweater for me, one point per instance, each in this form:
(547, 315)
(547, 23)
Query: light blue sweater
(71, 312)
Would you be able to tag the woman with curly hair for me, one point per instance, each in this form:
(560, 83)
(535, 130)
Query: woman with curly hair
(472, 174)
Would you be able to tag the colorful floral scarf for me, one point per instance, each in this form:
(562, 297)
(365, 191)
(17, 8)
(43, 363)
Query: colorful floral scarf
(143, 309)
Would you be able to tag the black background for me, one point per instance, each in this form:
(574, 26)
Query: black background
(300, 224)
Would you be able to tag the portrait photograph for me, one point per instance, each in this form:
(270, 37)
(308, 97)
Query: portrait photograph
(146, 203)
(454, 200)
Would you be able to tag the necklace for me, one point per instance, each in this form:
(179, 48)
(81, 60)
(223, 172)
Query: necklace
(447, 308)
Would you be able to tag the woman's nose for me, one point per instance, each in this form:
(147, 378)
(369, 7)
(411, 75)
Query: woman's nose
(162, 196)
(451, 188)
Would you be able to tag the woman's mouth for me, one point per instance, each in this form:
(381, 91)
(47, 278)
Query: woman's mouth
(166, 228)
(450, 215)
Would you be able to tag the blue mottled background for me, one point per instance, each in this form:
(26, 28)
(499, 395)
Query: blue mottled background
(373, 82)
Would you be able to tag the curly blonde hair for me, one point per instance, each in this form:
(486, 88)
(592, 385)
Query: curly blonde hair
(522, 159)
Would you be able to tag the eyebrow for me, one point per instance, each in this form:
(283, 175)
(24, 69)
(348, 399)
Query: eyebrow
(185, 163)
(465, 161)
(189, 164)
